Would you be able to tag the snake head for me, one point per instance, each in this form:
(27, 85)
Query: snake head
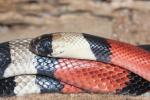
(42, 45)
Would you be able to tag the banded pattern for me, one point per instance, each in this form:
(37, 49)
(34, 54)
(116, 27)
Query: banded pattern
(28, 84)
(5, 58)
(100, 78)
(90, 76)
(21, 59)
(85, 46)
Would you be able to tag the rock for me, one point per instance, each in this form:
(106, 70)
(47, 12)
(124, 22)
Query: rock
(125, 20)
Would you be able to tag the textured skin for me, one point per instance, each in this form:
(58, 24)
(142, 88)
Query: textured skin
(5, 59)
(130, 57)
(28, 84)
(85, 46)
(90, 76)
(99, 77)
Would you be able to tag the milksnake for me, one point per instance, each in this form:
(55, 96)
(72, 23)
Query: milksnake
(73, 63)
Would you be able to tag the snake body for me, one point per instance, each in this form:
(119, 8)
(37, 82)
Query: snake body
(28, 84)
(85, 46)
(69, 67)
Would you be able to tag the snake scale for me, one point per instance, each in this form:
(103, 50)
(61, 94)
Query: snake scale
(73, 63)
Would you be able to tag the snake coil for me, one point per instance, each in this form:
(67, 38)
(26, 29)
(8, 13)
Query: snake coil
(73, 63)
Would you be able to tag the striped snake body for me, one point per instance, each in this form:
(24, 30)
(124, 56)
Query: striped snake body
(76, 63)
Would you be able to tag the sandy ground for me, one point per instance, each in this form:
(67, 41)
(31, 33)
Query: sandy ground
(124, 20)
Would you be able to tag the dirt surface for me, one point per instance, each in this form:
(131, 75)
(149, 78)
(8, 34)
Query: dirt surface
(83, 96)
(124, 20)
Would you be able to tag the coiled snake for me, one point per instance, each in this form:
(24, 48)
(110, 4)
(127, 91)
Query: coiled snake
(73, 63)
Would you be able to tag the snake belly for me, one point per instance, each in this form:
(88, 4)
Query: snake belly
(81, 75)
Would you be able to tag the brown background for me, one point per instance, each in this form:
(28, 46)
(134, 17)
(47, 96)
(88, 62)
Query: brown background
(125, 20)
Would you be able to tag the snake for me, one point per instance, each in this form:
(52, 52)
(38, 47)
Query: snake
(66, 62)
